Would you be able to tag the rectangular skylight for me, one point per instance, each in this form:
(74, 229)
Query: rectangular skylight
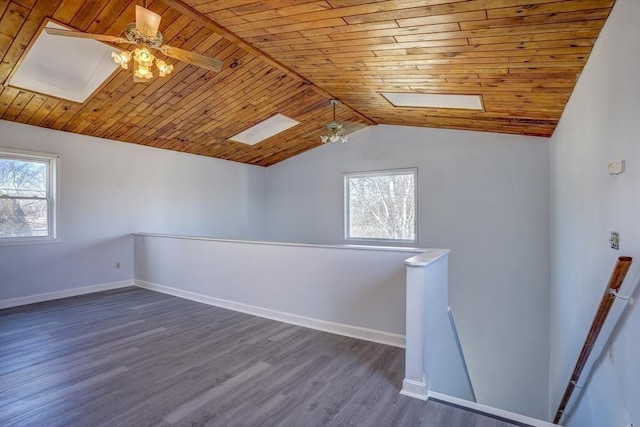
(434, 100)
(265, 129)
(64, 67)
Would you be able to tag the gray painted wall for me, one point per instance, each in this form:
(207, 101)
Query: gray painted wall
(601, 123)
(335, 285)
(109, 190)
(485, 197)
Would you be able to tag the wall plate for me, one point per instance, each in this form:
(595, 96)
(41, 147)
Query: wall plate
(615, 240)
(616, 167)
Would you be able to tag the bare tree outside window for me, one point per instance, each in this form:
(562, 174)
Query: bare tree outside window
(381, 205)
(25, 196)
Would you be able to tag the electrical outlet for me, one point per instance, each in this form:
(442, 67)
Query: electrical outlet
(615, 240)
(117, 266)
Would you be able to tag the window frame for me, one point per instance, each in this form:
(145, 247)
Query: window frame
(346, 208)
(52, 161)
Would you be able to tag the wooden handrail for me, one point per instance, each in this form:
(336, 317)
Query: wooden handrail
(617, 277)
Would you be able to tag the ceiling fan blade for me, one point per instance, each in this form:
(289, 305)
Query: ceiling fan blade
(79, 35)
(192, 58)
(147, 22)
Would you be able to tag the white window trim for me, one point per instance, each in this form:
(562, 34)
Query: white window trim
(53, 188)
(368, 240)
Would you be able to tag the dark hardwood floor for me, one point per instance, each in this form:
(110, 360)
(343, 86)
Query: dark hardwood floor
(133, 357)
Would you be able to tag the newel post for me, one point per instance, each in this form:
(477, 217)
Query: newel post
(427, 298)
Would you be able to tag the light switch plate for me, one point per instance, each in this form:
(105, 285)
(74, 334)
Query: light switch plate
(615, 240)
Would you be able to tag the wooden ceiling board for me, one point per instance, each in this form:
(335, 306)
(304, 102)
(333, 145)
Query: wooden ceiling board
(291, 56)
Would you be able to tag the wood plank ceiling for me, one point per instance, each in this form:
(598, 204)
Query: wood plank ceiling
(292, 56)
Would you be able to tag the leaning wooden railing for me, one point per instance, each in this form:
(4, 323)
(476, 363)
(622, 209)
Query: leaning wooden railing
(617, 277)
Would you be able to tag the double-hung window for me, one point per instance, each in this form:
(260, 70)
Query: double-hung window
(27, 196)
(380, 206)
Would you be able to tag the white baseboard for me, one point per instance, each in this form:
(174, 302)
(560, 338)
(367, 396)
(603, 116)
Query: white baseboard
(478, 407)
(49, 296)
(366, 334)
(415, 389)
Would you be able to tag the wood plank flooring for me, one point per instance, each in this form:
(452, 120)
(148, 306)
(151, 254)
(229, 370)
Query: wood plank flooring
(134, 357)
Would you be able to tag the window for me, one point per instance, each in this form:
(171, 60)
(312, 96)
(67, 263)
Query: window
(381, 206)
(27, 196)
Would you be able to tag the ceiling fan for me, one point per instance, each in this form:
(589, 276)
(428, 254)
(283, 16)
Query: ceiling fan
(339, 131)
(144, 34)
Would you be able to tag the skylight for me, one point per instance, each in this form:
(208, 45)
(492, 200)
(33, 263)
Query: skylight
(265, 129)
(64, 67)
(434, 100)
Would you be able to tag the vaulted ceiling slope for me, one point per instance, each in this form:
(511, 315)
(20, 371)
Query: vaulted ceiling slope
(291, 56)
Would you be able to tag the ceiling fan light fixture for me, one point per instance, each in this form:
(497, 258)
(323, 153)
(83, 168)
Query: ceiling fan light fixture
(143, 72)
(328, 139)
(122, 59)
(335, 129)
(143, 57)
(163, 68)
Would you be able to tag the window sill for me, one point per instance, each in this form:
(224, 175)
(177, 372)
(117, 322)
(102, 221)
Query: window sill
(382, 242)
(30, 241)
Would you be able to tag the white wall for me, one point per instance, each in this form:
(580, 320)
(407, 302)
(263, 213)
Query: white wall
(601, 123)
(109, 190)
(485, 196)
(350, 287)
